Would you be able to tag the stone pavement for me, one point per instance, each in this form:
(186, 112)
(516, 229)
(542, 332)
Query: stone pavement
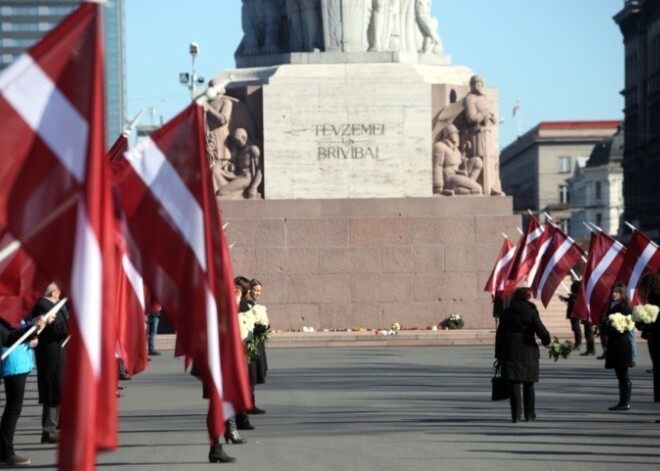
(383, 408)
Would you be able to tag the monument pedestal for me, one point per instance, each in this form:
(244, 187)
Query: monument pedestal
(349, 263)
(350, 130)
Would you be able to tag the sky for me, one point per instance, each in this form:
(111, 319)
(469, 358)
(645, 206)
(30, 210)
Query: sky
(561, 59)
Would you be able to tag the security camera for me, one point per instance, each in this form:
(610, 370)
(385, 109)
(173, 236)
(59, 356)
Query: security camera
(194, 49)
(184, 77)
(200, 80)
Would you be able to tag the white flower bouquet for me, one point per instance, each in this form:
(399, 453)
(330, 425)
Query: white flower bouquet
(260, 315)
(645, 314)
(621, 323)
(396, 326)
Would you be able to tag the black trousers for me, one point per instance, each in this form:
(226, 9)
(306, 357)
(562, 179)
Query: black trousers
(522, 396)
(14, 392)
(589, 337)
(577, 332)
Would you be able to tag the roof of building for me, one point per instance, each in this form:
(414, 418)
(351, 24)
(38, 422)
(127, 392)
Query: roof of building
(610, 150)
(600, 124)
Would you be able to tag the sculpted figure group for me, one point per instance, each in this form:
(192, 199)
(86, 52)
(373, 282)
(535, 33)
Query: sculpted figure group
(466, 160)
(235, 161)
(279, 26)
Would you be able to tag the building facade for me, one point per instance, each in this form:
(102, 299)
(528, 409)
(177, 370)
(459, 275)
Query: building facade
(596, 189)
(536, 167)
(639, 22)
(24, 22)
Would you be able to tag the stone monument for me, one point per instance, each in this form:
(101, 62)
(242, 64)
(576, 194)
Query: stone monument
(355, 130)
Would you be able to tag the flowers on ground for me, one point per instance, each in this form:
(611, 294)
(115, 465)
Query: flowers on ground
(558, 349)
(621, 323)
(396, 326)
(645, 314)
(454, 322)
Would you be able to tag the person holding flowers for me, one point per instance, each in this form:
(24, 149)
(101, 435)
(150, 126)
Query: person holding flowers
(649, 292)
(619, 354)
(517, 352)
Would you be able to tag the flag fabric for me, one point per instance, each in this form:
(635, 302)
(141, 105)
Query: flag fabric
(496, 282)
(21, 285)
(55, 199)
(605, 258)
(526, 251)
(561, 254)
(166, 194)
(642, 256)
(131, 335)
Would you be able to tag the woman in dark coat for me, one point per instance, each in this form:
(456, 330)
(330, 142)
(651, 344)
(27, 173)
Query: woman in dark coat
(649, 292)
(517, 352)
(619, 353)
(50, 357)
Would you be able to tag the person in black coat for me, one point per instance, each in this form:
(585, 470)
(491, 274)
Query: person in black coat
(50, 357)
(517, 352)
(619, 353)
(649, 292)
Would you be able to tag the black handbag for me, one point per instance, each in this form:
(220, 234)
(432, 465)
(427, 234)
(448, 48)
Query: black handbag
(500, 389)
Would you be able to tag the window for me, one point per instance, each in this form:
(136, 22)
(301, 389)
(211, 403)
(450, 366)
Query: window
(564, 197)
(599, 219)
(564, 164)
(598, 191)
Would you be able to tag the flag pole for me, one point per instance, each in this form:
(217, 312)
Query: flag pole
(49, 314)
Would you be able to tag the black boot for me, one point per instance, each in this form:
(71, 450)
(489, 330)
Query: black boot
(243, 422)
(231, 433)
(217, 455)
(625, 391)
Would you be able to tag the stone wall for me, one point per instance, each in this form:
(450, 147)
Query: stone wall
(340, 263)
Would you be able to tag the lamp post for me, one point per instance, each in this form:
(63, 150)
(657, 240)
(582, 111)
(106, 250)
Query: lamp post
(191, 79)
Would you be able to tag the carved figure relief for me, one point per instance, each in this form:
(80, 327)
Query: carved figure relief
(242, 176)
(453, 172)
(275, 26)
(304, 22)
(467, 125)
(261, 22)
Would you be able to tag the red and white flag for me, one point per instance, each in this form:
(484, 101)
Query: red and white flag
(166, 193)
(20, 283)
(55, 199)
(526, 251)
(496, 283)
(600, 273)
(642, 256)
(560, 253)
(131, 335)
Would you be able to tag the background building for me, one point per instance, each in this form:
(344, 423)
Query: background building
(639, 22)
(596, 189)
(24, 22)
(535, 168)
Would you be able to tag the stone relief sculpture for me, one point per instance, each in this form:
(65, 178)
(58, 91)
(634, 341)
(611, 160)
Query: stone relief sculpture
(474, 120)
(274, 26)
(481, 121)
(428, 26)
(261, 22)
(453, 172)
(383, 30)
(242, 177)
(304, 21)
(217, 115)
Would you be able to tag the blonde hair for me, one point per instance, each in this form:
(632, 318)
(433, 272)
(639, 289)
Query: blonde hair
(50, 288)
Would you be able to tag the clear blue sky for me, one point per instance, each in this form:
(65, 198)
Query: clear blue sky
(563, 59)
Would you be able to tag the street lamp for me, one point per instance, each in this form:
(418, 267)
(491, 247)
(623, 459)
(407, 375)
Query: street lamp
(191, 79)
